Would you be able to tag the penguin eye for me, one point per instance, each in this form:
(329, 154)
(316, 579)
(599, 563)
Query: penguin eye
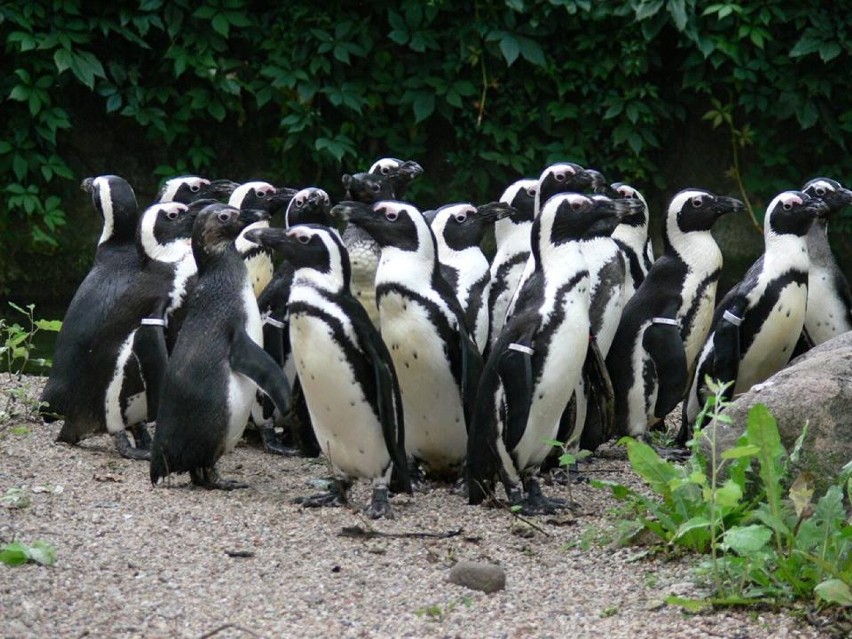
(195, 188)
(261, 193)
(531, 192)
(299, 202)
(391, 215)
(172, 214)
(697, 201)
(461, 218)
(787, 206)
(559, 177)
(303, 239)
(576, 204)
(820, 191)
(376, 188)
(224, 216)
(385, 170)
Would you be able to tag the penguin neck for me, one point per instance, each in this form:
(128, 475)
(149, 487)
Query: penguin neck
(171, 253)
(413, 269)
(819, 249)
(243, 245)
(328, 281)
(633, 236)
(785, 252)
(697, 249)
(508, 233)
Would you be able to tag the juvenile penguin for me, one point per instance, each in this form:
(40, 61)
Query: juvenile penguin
(217, 362)
(632, 237)
(422, 323)
(260, 196)
(459, 230)
(344, 367)
(116, 263)
(191, 188)
(665, 323)
(512, 239)
(757, 324)
(536, 362)
(118, 380)
(829, 299)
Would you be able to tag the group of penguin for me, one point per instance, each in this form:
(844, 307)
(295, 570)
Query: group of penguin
(398, 350)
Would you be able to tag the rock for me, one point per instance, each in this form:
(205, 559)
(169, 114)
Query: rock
(478, 576)
(815, 388)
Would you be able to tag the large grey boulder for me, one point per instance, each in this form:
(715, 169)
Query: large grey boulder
(815, 388)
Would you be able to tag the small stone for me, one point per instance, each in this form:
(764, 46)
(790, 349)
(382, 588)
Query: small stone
(485, 577)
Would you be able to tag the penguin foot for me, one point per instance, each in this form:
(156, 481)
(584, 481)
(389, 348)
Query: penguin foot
(379, 505)
(335, 497)
(273, 444)
(460, 488)
(673, 454)
(127, 450)
(141, 436)
(208, 478)
(536, 503)
(568, 475)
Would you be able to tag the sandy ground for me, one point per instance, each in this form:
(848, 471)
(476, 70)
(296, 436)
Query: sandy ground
(176, 561)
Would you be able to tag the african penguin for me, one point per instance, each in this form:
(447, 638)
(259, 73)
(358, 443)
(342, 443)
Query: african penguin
(118, 382)
(264, 197)
(217, 363)
(537, 360)
(829, 299)
(512, 239)
(190, 188)
(632, 237)
(116, 263)
(763, 315)
(459, 230)
(344, 367)
(436, 359)
(665, 323)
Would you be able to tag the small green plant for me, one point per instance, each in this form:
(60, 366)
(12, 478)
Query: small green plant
(16, 341)
(17, 553)
(730, 504)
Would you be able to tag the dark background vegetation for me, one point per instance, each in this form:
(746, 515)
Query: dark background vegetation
(746, 98)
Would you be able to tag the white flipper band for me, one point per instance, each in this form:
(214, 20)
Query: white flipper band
(526, 350)
(154, 321)
(733, 319)
(665, 320)
(273, 322)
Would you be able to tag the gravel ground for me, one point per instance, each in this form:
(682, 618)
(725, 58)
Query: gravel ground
(175, 561)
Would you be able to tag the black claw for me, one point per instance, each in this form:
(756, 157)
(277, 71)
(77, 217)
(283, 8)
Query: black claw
(208, 478)
(127, 450)
(273, 444)
(379, 505)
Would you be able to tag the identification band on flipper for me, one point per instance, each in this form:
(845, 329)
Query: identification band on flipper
(665, 320)
(274, 322)
(731, 318)
(154, 321)
(526, 350)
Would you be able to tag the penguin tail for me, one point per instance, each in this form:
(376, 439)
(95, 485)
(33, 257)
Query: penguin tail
(159, 465)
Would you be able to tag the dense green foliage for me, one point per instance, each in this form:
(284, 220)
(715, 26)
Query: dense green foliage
(479, 92)
(731, 505)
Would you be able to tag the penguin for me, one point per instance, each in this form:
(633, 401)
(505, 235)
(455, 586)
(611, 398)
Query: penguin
(117, 382)
(310, 205)
(422, 323)
(665, 323)
(562, 177)
(512, 240)
(633, 239)
(538, 358)
(829, 310)
(217, 363)
(115, 264)
(459, 230)
(260, 196)
(762, 317)
(345, 369)
(401, 173)
(190, 188)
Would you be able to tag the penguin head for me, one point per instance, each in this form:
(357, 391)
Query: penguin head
(313, 247)
(390, 223)
(367, 187)
(164, 231)
(260, 196)
(600, 185)
(791, 213)
(829, 191)
(563, 177)
(400, 173)
(568, 217)
(639, 216)
(694, 210)
(308, 206)
(183, 189)
(520, 195)
(114, 199)
(216, 228)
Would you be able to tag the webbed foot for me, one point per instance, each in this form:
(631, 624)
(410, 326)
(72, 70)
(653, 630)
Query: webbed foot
(273, 444)
(536, 503)
(127, 450)
(141, 436)
(208, 478)
(335, 497)
(379, 505)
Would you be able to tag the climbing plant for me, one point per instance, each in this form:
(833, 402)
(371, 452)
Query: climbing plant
(479, 92)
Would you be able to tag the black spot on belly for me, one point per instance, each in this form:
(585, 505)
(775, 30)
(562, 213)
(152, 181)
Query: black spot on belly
(352, 402)
(360, 451)
(415, 354)
(788, 313)
(406, 365)
(784, 350)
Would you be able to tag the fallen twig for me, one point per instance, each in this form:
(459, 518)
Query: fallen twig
(357, 532)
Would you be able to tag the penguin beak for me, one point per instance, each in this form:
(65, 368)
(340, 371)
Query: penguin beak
(818, 207)
(837, 201)
(724, 205)
(350, 211)
(250, 216)
(218, 189)
(410, 170)
(625, 207)
(195, 207)
(267, 237)
(494, 211)
(88, 185)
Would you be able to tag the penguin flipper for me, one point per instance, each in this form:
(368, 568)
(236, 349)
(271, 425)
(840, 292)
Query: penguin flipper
(149, 345)
(600, 418)
(515, 367)
(726, 345)
(663, 343)
(251, 360)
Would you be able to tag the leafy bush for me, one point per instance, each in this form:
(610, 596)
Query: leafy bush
(762, 546)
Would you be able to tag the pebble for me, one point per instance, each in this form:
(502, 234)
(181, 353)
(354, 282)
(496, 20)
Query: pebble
(478, 576)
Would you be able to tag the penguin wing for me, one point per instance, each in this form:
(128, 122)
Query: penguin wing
(600, 420)
(149, 345)
(515, 354)
(726, 342)
(388, 399)
(663, 343)
(249, 359)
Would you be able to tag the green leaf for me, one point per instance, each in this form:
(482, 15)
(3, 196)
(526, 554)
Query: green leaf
(677, 9)
(62, 59)
(41, 552)
(694, 606)
(741, 451)
(834, 591)
(424, 106)
(510, 48)
(729, 494)
(531, 51)
(49, 325)
(696, 523)
(762, 431)
(13, 554)
(746, 540)
(650, 466)
(647, 9)
(221, 25)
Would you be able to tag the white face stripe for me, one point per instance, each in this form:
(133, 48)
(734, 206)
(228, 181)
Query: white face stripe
(512, 190)
(785, 199)
(675, 234)
(101, 186)
(331, 281)
(384, 163)
(553, 168)
(439, 224)
(170, 188)
(175, 250)
(242, 190)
